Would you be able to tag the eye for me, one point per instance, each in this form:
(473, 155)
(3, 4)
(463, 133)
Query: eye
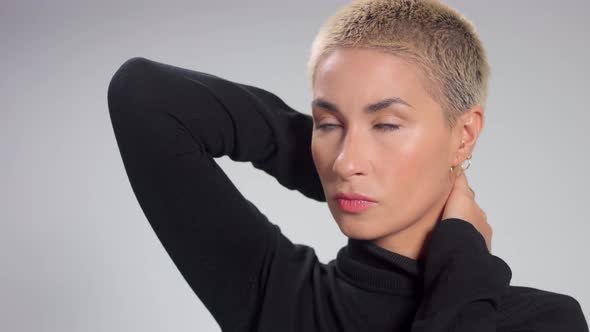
(380, 126)
(387, 126)
(327, 126)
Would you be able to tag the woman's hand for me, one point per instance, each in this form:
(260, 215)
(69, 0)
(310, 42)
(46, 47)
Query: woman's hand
(461, 204)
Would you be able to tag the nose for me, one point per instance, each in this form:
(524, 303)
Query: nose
(352, 159)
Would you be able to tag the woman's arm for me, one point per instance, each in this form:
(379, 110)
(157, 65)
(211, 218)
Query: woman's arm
(169, 123)
(463, 281)
(466, 288)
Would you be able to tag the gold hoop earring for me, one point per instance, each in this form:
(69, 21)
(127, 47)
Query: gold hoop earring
(462, 168)
(468, 163)
(453, 172)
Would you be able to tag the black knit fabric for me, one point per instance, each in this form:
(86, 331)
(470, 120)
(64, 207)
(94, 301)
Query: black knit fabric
(171, 122)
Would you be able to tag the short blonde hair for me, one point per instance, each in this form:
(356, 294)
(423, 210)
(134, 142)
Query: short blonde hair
(440, 41)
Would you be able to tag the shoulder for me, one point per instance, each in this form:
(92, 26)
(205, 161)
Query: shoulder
(540, 310)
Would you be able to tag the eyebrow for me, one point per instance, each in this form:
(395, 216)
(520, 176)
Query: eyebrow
(371, 108)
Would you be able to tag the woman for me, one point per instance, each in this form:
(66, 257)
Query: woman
(399, 93)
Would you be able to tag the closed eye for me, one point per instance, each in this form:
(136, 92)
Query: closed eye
(326, 127)
(387, 126)
(380, 126)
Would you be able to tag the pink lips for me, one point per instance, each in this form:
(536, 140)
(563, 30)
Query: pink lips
(354, 202)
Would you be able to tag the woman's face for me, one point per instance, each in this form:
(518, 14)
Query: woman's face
(404, 168)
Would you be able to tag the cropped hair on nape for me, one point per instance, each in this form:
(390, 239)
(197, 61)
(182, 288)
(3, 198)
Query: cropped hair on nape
(440, 41)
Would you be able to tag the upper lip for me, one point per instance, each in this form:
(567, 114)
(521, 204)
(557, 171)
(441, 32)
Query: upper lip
(343, 195)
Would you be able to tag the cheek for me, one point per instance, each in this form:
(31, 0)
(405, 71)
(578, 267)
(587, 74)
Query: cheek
(414, 164)
(320, 155)
(407, 173)
(407, 158)
(315, 152)
(423, 165)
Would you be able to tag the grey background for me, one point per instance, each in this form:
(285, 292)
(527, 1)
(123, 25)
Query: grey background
(76, 251)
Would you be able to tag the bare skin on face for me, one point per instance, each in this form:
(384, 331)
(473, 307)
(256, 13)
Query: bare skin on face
(397, 152)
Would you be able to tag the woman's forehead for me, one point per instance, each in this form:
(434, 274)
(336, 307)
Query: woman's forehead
(366, 73)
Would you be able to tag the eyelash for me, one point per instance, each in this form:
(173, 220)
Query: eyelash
(381, 126)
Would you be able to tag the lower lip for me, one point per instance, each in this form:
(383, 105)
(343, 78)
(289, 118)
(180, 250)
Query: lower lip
(354, 205)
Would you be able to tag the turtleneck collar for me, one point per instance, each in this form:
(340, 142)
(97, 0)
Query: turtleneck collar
(370, 266)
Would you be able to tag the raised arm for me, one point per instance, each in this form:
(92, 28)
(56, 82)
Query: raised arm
(463, 281)
(169, 123)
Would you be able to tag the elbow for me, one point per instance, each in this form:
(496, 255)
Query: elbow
(128, 83)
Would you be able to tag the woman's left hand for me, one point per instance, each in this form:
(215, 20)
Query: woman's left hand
(461, 204)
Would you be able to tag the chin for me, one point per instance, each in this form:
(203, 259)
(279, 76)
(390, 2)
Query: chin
(360, 230)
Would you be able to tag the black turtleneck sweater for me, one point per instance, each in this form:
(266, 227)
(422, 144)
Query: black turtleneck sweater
(170, 123)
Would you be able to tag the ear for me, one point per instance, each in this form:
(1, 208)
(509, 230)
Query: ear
(467, 129)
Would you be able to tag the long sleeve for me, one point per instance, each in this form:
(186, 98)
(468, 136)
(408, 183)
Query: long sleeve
(463, 281)
(169, 123)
